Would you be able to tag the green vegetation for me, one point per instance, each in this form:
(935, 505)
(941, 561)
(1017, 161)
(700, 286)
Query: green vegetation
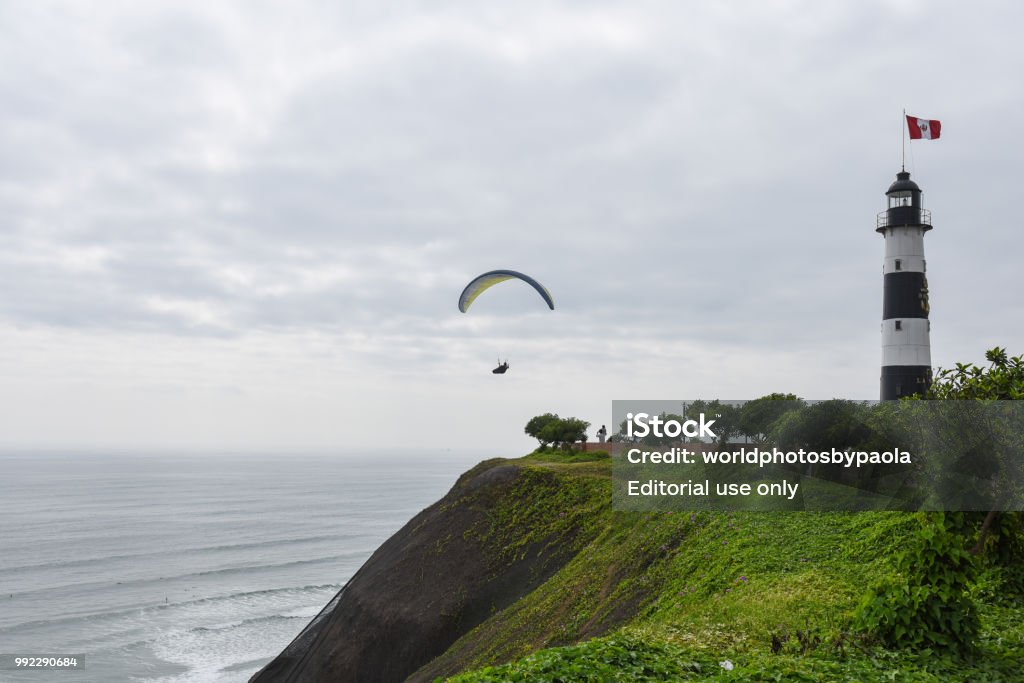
(727, 417)
(618, 658)
(664, 597)
(757, 417)
(549, 428)
(668, 596)
(1003, 379)
(747, 596)
(632, 658)
(925, 603)
(928, 601)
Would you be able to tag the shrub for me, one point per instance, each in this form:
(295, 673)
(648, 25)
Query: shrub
(925, 603)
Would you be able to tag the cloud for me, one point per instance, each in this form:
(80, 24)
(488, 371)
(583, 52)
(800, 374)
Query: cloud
(686, 180)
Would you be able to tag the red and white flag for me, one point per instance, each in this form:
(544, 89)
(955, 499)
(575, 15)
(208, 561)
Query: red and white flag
(923, 129)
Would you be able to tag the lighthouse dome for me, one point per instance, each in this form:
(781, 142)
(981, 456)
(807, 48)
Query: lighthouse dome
(903, 183)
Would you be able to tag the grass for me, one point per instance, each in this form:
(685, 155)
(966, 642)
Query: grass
(668, 596)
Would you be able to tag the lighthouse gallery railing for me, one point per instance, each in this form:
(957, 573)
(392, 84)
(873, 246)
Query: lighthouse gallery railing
(903, 216)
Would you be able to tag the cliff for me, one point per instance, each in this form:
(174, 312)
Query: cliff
(504, 529)
(523, 572)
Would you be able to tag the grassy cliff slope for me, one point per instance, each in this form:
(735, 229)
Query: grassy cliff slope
(523, 572)
(676, 595)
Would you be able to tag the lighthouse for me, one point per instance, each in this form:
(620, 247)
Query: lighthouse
(906, 349)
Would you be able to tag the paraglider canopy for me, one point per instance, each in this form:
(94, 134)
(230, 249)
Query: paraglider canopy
(481, 283)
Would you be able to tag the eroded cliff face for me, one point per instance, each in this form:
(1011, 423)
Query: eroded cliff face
(456, 564)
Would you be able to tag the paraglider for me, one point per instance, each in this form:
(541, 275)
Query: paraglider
(482, 283)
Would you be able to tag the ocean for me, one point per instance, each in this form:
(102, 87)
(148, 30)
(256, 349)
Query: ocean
(190, 568)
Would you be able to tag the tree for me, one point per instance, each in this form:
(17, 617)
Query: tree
(549, 428)
(571, 430)
(538, 428)
(653, 439)
(757, 417)
(837, 423)
(1002, 380)
(724, 414)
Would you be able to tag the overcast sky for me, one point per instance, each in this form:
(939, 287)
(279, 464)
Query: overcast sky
(246, 225)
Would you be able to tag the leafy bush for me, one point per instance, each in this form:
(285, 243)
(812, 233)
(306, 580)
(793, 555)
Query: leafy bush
(926, 603)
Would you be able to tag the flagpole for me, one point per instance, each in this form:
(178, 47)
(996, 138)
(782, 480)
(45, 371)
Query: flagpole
(903, 143)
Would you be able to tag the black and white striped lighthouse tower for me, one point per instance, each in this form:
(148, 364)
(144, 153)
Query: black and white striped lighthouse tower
(906, 349)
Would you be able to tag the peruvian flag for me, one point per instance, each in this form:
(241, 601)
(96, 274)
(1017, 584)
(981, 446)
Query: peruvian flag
(926, 129)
